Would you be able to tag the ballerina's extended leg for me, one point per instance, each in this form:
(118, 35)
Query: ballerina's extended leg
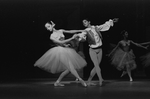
(129, 74)
(57, 83)
(74, 72)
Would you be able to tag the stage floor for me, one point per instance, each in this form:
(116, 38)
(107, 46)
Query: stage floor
(44, 89)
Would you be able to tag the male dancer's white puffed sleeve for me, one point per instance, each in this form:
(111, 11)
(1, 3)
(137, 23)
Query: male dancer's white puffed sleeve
(106, 26)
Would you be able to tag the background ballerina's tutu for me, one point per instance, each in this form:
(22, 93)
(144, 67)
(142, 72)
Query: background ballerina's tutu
(120, 59)
(146, 59)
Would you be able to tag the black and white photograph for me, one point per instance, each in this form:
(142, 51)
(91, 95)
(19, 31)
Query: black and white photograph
(75, 49)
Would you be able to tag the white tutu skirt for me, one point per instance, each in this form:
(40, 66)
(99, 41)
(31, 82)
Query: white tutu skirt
(59, 59)
(121, 59)
(146, 60)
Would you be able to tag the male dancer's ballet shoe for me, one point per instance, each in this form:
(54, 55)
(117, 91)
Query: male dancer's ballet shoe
(91, 84)
(59, 84)
(100, 83)
(83, 83)
(102, 80)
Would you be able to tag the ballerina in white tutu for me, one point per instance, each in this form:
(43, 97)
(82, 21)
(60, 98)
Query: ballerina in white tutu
(61, 58)
(123, 57)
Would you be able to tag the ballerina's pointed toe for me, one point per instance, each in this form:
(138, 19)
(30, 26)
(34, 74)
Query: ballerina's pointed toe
(59, 84)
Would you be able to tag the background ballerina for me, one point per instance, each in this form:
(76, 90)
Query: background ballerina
(61, 58)
(146, 58)
(122, 56)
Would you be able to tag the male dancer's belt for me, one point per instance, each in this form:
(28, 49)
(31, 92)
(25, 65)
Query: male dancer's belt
(97, 47)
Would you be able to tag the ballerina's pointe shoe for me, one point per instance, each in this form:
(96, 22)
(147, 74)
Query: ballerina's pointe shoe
(91, 84)
(83, 83)
(59, 84)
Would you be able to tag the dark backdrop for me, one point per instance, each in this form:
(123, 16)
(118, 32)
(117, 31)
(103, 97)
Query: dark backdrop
(24, 38)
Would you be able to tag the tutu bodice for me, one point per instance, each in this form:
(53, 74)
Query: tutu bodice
(125, 45)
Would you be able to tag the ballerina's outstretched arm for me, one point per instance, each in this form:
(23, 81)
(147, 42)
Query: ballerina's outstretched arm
(145, 43)
(139, 45)
(67, 31)
(64, 41)
(73, 31)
